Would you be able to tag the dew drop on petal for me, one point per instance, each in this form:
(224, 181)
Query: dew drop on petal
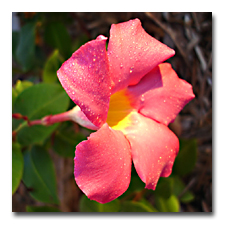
(131, 69)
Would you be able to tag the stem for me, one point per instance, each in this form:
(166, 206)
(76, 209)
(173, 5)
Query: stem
(139, 195)
(75, 115)
(51, 119)
(45, 121)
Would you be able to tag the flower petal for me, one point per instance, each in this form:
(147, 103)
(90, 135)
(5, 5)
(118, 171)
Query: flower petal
(153, 146)
(133, 53)
(161, 94)
(103, 165)
(79, 117)
(85, 77)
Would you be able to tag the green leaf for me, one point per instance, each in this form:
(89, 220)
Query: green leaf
(25, 52)
(51, 66)
(136, 185)
(19, 87)
(41, 209)
(22, 85)
(57, 36)
(14, 96)
(164, 187)
(178, 188)
(36, 102)
(147, 203)
(39, 175)
(82, 39)
(65, 141)
(17, 166)
(87, 205)
(187, 197)
(131, 206)
(170, 204)
(186, 158)
(15, 42)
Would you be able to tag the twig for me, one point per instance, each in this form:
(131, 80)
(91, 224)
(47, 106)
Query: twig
(187, 187)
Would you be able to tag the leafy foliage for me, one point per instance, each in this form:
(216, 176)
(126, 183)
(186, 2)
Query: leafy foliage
(57, 37)
(36, 102)
(51, 66)
(41, 209)
(186, 157)
(17, 166)
(132, 206)
(65, 140)
(25, 51)
(39, 175)
(87, 205)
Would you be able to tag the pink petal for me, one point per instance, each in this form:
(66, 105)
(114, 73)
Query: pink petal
(133, 53)
(103, 165)
(79, 117)
(154, 148)
(85, 77)
(161, 94)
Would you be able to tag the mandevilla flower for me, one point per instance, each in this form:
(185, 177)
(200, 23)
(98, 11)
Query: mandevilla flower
(129, 96)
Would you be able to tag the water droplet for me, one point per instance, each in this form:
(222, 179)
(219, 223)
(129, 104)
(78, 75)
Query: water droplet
(94, 59)
(131, 69)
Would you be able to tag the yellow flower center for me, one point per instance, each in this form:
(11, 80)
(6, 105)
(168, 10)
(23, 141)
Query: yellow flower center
(119, 109)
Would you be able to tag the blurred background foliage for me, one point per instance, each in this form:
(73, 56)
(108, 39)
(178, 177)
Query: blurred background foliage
(42, 157)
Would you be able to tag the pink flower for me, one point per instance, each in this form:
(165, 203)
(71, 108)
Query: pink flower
(129, 96)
